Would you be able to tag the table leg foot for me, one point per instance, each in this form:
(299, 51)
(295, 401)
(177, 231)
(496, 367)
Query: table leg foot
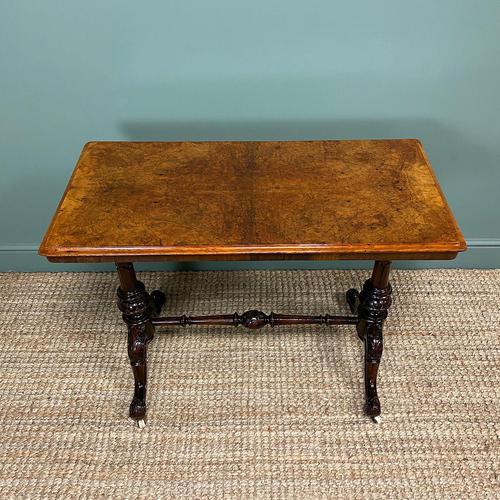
(137, 409)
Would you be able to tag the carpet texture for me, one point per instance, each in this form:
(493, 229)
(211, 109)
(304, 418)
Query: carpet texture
(241, 414)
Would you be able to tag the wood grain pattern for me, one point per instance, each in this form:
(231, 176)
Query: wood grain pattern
(368, 199)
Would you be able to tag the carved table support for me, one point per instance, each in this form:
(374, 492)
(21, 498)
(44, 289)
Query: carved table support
(372, 305)
(137, 307)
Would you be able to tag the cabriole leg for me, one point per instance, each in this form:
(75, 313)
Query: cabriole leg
(374, 302)
(137, 308)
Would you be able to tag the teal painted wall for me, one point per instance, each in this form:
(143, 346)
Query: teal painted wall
(261, 69)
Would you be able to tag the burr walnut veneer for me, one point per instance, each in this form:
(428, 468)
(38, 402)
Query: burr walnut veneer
(150, 201)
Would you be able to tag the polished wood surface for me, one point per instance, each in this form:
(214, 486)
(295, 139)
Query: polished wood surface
(366, 199)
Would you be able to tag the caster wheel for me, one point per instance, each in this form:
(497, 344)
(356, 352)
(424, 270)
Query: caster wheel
(377, 419)
(141, 424)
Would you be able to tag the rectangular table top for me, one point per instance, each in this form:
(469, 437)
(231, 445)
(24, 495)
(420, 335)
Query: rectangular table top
(364, 199)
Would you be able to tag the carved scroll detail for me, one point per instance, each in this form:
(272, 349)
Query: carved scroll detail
(135, 305)
(374, 302)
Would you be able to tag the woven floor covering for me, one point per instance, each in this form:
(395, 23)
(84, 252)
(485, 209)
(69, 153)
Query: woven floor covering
(234, 413)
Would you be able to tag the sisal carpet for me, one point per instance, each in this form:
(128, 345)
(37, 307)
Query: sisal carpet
(240, 414)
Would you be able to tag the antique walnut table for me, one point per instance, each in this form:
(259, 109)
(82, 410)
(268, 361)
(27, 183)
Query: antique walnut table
(169, 201)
